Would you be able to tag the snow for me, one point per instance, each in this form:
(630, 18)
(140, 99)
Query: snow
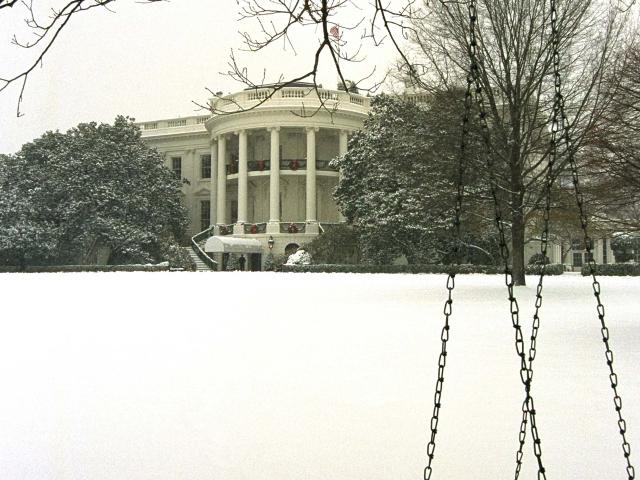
(299, 257)
(273, 376)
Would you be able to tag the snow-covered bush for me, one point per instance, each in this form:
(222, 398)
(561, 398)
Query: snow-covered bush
(539, 259)
(615, 269)
(301, 257)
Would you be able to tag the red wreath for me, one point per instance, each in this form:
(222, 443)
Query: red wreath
(293, 228)
(254, 228)
(294, 164)
(261, 165)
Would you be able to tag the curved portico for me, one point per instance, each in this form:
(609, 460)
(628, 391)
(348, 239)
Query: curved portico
(258, 166)
(272, 161)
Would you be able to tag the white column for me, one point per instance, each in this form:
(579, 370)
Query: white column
(213, 184)
(344, 137)
(274, 183)
(610, 257)
(311, 177)
(242, 177)
(222, 180)
(597, 251)
(342, 149)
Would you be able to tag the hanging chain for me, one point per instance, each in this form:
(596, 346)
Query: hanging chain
(526, 372)
(543, 250)
(613, 377)
(442, 362)
(535, 326)
(448, 306)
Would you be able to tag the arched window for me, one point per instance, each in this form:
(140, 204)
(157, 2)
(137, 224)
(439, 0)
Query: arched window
(291, 248)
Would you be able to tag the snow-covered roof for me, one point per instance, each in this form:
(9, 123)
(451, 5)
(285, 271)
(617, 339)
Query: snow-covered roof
(218, 244)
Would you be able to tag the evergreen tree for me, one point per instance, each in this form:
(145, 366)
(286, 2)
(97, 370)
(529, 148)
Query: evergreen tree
(65, 196)
(398, 177)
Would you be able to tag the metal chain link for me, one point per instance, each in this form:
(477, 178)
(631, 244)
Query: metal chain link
(526, 372)
(543, 250)
(442, 362)
(613, 378)
(448, 306)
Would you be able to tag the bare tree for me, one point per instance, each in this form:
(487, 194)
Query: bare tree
(269, 23)
(515, 56)
(45, 28)
(612, 147)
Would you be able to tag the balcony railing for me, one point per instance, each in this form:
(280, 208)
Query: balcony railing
(225, 229)
(292, 164)
(196, 123)
(324, 166)
(293, 227)
(255, 228)
(259, 165)
(291, 97)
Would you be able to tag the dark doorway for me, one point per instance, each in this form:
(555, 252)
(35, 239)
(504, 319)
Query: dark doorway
(255, 262)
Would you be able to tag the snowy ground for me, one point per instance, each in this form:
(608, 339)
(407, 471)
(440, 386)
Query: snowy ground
(136, 376)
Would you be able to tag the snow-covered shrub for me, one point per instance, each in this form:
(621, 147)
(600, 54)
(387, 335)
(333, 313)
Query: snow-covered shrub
(178, 257)
(549, 269)
(301, 257)
(539, 259)
(338, 244)
(615, 269)
(556, 269)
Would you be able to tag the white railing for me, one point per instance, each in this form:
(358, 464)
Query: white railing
(195, 124)
(177, 123)
(291, 97)
(258, 95)
(294, 98)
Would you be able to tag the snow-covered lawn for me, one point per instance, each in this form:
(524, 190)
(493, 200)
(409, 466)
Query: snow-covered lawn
(186, 376)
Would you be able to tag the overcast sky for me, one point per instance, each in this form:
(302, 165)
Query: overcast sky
(145, 61)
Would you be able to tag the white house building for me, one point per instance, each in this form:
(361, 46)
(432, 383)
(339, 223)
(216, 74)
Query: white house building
(258, 168)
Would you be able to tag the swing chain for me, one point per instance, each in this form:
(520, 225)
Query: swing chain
(544, 240)
(442, 362)
(604, 330)
(526, 372)
(448, 306)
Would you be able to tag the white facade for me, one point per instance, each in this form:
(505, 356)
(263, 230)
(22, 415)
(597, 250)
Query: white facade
(259, 167)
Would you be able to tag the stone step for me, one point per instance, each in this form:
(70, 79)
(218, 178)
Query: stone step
(200, 265)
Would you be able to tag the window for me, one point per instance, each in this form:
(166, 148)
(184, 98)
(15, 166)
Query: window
(576, 244)
(176, 166)
(205, 214)
(205, 166)
(604, 251)
(577, 259)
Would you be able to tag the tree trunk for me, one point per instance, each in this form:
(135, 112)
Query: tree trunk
(517, 247)
(517, 208)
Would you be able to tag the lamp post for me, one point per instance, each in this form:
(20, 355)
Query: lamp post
(270, 242)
